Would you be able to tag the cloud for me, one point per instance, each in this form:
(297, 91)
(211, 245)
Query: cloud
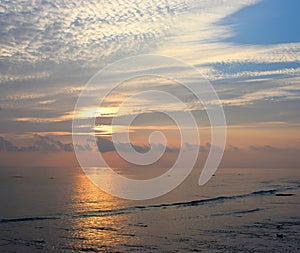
(45, 143)
(41, 144)
(106, 145)
(10, 77)
(50, 48)
(287, 92)
(249, 69)
(81, 31)
(269, 148)
(41, 37)
(232, 148)
(8, 146)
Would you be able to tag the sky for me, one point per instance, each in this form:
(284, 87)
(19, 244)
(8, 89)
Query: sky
(249, 50)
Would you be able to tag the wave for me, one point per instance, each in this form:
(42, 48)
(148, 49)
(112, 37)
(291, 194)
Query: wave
(133, 209)
(27, 219)
(238, 212)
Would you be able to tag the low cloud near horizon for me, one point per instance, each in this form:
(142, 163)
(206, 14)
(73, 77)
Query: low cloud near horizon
(256, 156)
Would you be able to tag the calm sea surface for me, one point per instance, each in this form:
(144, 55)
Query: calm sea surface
(238, 210)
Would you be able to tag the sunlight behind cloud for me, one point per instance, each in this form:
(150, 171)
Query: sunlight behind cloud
(50, 49)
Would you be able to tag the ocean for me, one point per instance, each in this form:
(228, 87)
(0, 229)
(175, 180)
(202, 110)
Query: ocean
(238, 210)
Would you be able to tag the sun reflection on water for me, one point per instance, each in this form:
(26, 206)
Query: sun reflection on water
(90, 230)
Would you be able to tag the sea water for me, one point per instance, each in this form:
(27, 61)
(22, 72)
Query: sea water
(238, 210)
